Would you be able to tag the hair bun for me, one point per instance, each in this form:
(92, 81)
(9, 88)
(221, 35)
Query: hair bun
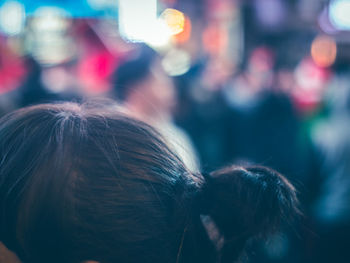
(247, 202)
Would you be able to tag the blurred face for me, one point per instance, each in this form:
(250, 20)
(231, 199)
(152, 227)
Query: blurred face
(159, 89)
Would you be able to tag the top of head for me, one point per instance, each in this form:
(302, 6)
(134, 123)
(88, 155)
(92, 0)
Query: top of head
(80, 182)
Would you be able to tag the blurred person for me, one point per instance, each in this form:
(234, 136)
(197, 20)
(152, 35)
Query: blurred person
(46, 85)
(264, 123)
(32, 90)
(143, 87)
(265, 129)
(247, 88)
(332, 208)
(86, 183)
(203, 111)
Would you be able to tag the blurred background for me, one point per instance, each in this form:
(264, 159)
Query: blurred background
(226, 81)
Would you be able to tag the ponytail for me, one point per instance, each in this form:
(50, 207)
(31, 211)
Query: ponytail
(244, 203)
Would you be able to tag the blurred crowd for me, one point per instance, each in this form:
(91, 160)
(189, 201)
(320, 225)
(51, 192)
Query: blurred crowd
(227, 93)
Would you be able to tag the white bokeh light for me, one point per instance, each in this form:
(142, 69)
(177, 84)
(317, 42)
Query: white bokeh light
(12, 18)
(138, 22)
(339, 14)
(137, 18)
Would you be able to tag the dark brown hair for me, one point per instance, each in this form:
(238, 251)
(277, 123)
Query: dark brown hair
(86, 182)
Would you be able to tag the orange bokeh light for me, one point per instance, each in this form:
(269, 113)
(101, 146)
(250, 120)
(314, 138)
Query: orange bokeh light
(174, 19)
(324, 51)
(185, 35)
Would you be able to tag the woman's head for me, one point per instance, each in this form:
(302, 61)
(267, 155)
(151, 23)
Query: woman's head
(85, 182)
(141, 80)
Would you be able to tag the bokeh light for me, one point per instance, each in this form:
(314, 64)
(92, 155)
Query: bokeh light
(324, 51)
(174, 19)
(50, 18)
(12, 18)
(176, 62)
(48, 40)
(185, 35)
(137, 19)
(310, 84)
(339, 11)
(138, 22)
